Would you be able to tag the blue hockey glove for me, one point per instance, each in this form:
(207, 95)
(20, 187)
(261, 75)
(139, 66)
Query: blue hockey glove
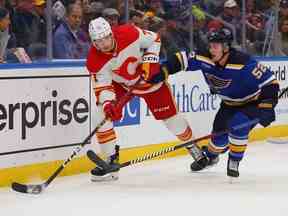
(267, 112)
(174, 64)
(268, 100)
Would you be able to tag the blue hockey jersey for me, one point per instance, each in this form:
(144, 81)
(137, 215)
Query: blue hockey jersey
(237, 82)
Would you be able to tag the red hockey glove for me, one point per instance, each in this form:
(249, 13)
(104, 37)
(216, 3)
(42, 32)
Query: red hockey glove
(150, 66)
(112, 110)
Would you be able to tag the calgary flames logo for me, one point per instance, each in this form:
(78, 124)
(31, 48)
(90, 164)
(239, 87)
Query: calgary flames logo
(128, 69)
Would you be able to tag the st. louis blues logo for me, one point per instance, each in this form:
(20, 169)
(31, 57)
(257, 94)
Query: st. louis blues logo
(216, 82)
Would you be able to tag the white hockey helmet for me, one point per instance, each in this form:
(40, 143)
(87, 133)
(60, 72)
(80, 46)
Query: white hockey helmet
(99, 28)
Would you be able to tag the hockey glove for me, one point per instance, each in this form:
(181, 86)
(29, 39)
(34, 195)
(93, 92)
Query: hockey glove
(174, 64)
(268, 100)
(112, 110)
(150, 66)
(267, 113)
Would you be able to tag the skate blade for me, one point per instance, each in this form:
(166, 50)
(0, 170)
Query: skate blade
(106, 178)
(233, 180)
(208, 167)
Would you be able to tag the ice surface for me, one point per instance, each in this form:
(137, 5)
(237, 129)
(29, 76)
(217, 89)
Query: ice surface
(167, 187)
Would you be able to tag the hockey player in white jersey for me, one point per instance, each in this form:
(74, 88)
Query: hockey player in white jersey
(117, 60)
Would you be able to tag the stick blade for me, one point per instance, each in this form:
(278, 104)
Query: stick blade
(97, 160)
(31, 189)
(101, 163)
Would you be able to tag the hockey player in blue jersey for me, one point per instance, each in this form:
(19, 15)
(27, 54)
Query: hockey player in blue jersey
(248, 91)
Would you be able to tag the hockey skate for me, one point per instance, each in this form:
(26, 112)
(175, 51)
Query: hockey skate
(232, 168)
(201, 160)
(98, 174)
(204, 163)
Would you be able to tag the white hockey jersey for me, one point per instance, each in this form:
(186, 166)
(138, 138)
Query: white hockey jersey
(121, 65)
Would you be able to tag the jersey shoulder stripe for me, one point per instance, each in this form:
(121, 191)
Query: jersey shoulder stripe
(234, 66)
(204, 59)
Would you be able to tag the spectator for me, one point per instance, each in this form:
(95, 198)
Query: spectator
(58, 10)
(255, 21)
(283, 28)
(38, 52)
(82, 3)
(250, 6)
(58, 14)
(214, 7)
(173, 38)
(39, 9)
(112, 3)
(69, 40)
(230, 11)
(214, 25)
(94, 10)
(7, 39)
(283, 8)
(136, 18)
(231, 14)
(167, 40)
(11, 5)
(120, 6)
(29, 24)
(2, 3)
(112, 16)
(150, 20)
(255, 33)
(156, 8)
(4, 32)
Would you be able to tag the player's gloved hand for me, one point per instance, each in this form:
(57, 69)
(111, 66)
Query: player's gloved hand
(150, 66)
(174, 64)
(112, 110)
(268, 100)
(267, 112)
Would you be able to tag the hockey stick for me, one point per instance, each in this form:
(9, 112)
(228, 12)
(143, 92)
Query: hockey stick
(283, 92)
(38, 188)
(277, 140)
(108, 168)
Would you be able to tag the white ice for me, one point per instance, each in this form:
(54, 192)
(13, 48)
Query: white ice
(167, 187)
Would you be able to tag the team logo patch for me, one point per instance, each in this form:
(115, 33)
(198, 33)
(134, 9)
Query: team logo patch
(218, 83)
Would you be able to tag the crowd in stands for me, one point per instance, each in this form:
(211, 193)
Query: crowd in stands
(23, 24)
